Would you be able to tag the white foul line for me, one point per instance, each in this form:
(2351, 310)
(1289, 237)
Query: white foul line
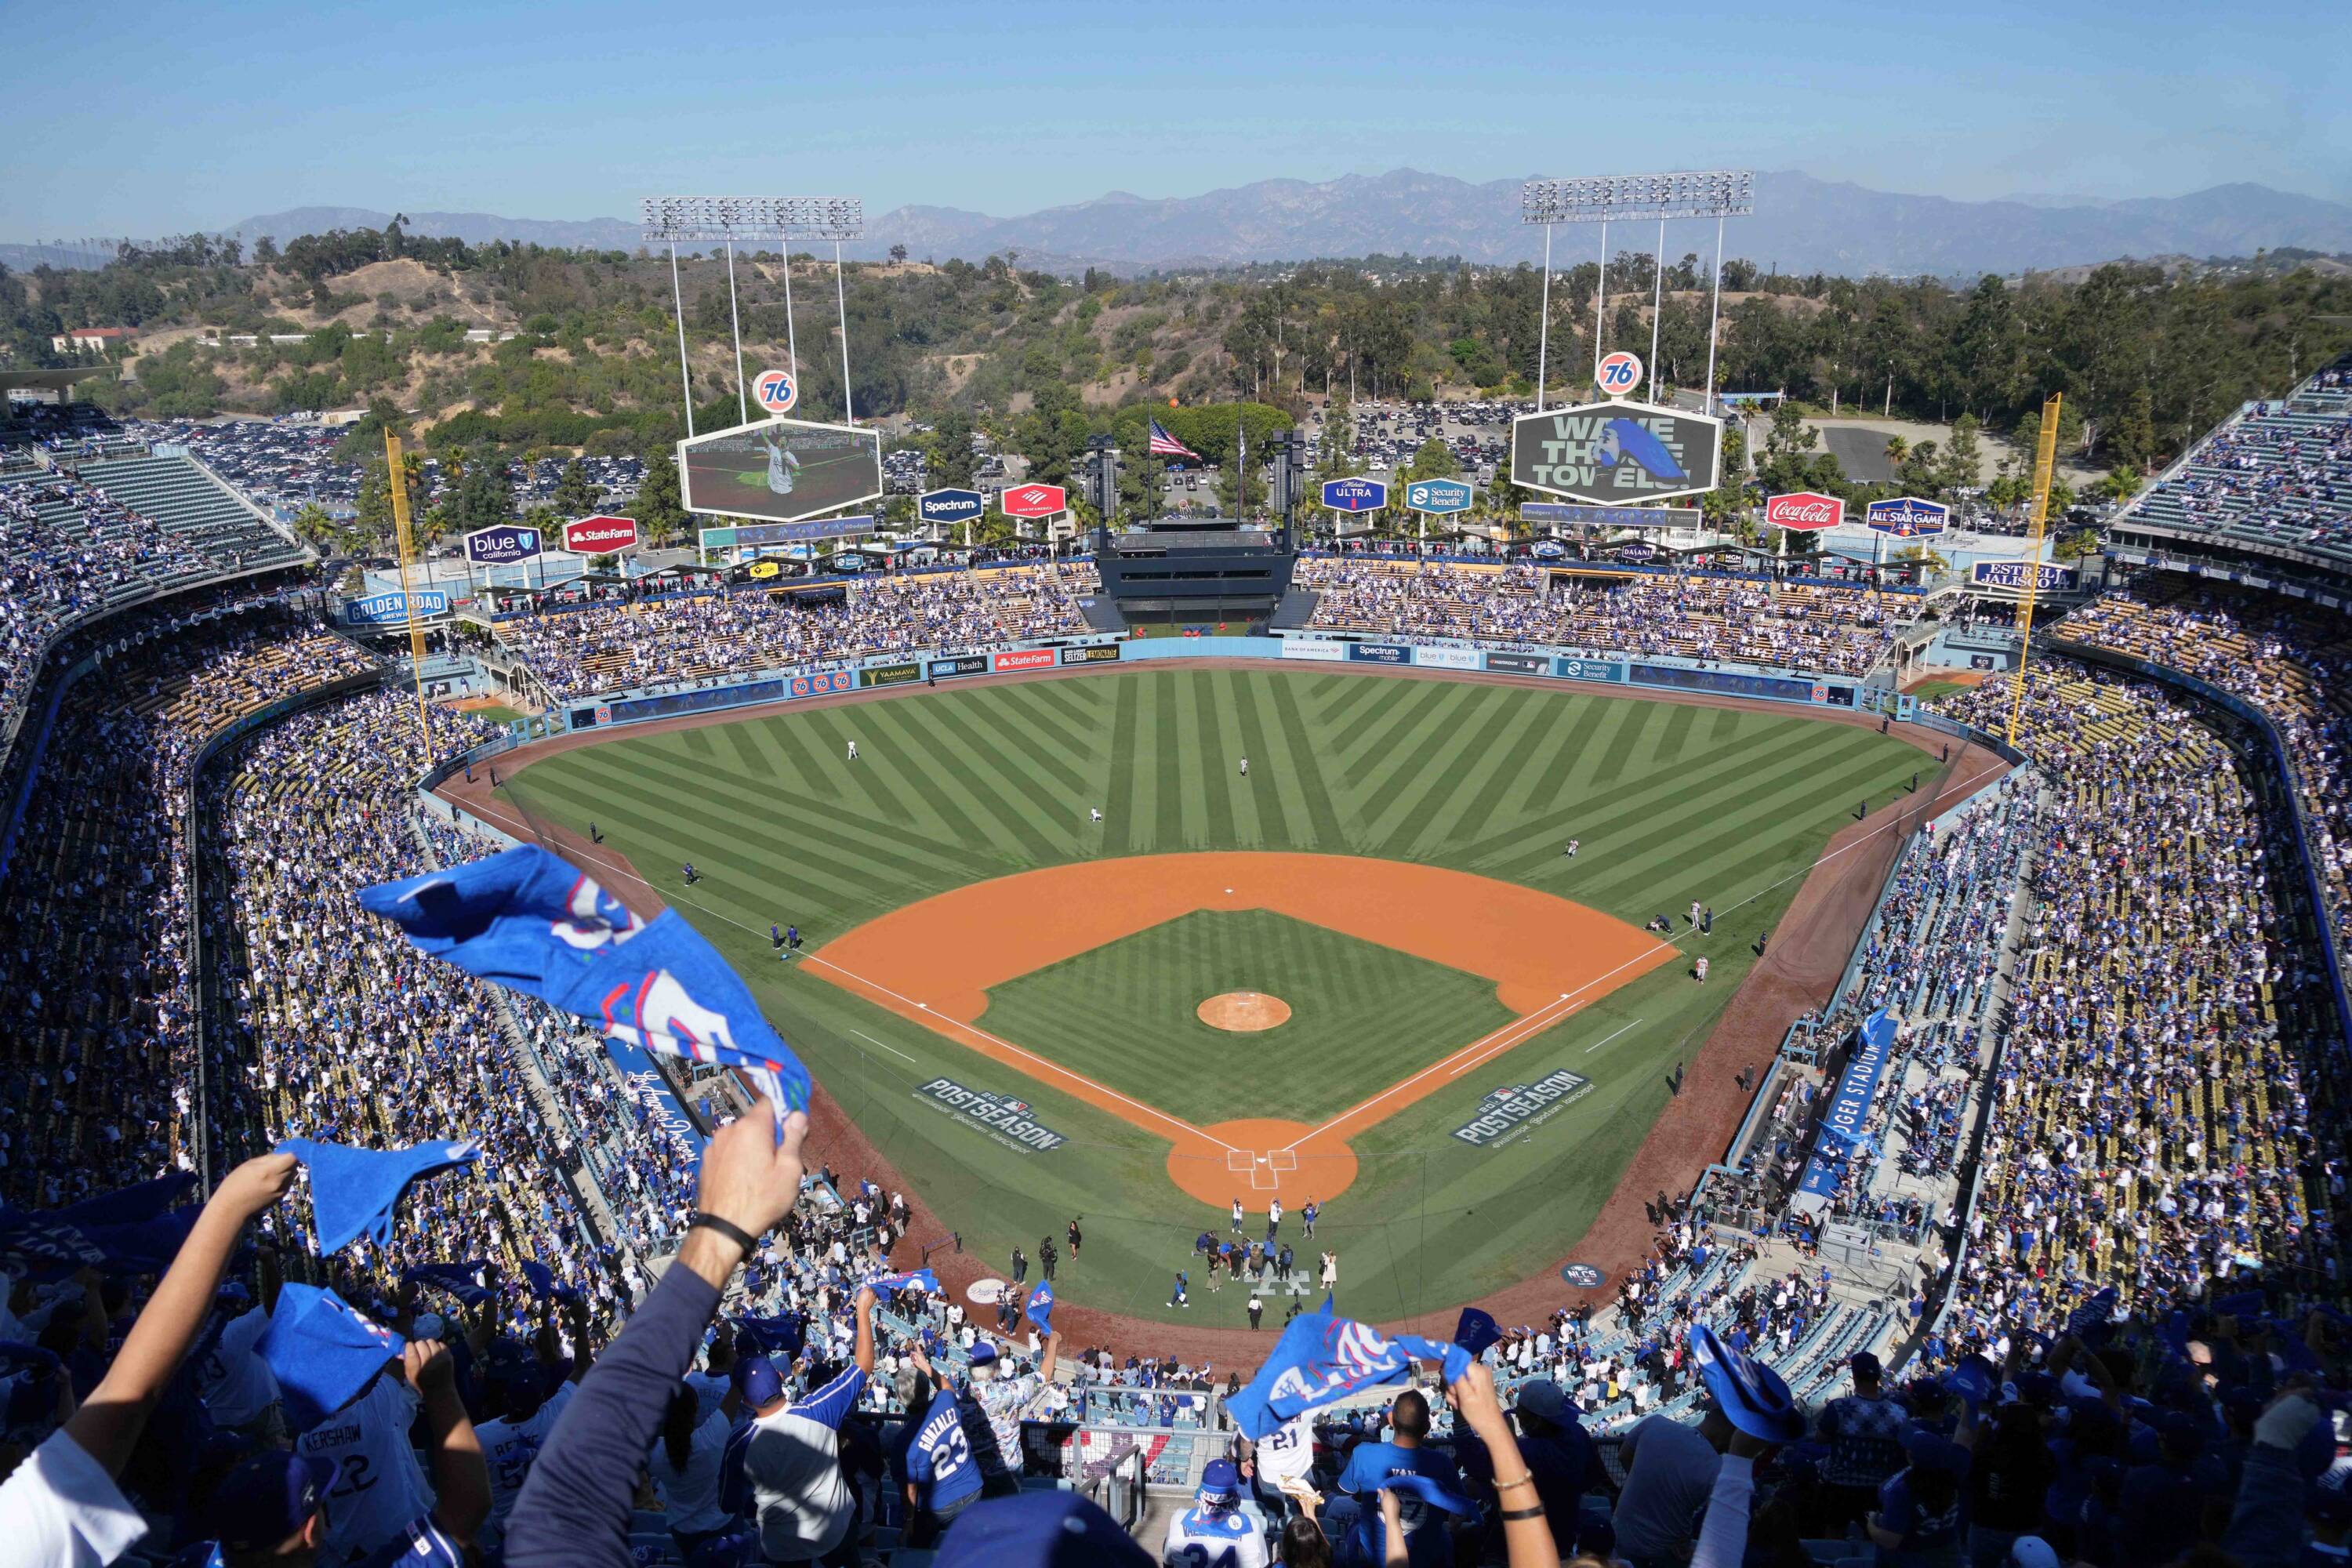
(892, 1050)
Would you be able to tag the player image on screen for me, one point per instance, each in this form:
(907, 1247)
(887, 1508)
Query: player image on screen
(780, 470)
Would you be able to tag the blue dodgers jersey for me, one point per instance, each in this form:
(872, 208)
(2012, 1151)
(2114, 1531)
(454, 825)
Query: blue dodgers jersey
(939, 1460)
(1202, 1539)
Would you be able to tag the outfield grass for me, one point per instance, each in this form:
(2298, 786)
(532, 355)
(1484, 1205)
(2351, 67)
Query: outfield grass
(1362, 1016)
(1672, 802)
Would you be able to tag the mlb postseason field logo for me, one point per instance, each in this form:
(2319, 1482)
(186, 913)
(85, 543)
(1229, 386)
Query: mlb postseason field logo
(1620, 375)
(1583, 1276)
(1437, 498)
(1506, 1110)
(1006, 1119)
(1355, 495)
(776, 391)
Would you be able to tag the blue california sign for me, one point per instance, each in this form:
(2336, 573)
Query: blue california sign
(950, 506)
(1355, 495)
(1906, 516)
(1438, 498)
(502, 544)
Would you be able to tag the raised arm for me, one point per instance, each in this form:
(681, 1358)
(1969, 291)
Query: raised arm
(864, 1354)
(460, 1474)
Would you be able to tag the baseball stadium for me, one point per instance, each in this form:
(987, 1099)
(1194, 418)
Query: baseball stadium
(1448, 964)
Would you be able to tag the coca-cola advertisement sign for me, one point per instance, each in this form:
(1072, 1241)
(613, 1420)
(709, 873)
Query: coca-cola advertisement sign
(1803, 512)
(600, 535)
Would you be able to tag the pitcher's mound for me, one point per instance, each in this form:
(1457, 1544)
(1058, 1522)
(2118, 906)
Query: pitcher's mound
(1243, 1012)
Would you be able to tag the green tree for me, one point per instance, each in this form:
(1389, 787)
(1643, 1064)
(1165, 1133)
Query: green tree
(485, 495)
(660, 508)
(2132, 439)
(1964, 457)
(951, 464)
(1433, 459)
(577, 495)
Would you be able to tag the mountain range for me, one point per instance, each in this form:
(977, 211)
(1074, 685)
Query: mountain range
(1800, 225)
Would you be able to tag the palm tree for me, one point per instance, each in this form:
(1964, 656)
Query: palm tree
(1898, 449)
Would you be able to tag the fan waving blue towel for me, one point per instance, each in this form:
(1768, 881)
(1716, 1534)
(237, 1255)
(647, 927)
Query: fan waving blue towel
(354, 1191)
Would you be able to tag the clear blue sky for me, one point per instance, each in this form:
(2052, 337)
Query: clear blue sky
(128, 119)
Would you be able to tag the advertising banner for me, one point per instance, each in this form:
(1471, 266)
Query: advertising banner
(600, 535)
(1034, 500)
(1098, 653)
(1379, 653)
(1314, 648)
(1355, 495)
(1445, 658)
(779, 470)
(1615, 452)
(502, 545)
(1588, 669)
(949, 506)
(1849, 1108)
(1560, 513)
(385, 609)
(2011, 575)
(897, 673)
(1518, 663)
(643, 1086)
(1907, 517)
(1437, 498)
(824, 682)
(963, 664)
(1023, 658)
(1805, 512)
(748, 534)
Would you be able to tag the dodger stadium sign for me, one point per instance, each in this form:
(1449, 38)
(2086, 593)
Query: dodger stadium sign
(1005, 1118)
(1615, 452)
(1506, 1110)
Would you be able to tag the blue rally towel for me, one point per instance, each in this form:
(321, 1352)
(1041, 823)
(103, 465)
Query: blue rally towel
(920, 1278)
(527, 920)
(1476, 1330)
(354, 1191)
(322, 1352)
(1321, 1358)
(1040, 1310)
(1428, 1488)
(543, 1283)
(2092, 1317)
(467, 1281)
(130, 1205)
(774, 1336)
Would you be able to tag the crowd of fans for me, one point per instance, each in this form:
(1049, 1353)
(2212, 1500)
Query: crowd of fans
(606, 647)
(2280, 471)
(1834, 629)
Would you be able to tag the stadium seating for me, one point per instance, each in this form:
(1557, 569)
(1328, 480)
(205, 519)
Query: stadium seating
(2276, 472)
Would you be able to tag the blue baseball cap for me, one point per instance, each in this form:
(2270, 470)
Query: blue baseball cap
(1220, 1479)
(982, 1353)
(1038, 1529)
(758, 1382)
(268, 1498)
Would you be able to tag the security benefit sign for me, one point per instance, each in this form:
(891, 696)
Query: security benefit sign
(1006, 1119)
(1614, 452)
(1506, 1110)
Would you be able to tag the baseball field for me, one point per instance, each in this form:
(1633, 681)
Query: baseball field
(1364, 971)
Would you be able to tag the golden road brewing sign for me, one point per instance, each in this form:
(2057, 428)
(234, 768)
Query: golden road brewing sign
(1614, 452)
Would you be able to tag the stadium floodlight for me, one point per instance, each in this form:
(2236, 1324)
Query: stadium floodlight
(1717, 194)
(668, 220)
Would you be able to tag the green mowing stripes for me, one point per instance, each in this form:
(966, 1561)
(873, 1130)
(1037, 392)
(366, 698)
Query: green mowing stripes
(960, 785)
(1362, 1016)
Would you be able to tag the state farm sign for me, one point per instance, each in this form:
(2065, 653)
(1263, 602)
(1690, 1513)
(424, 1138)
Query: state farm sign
(1805, 512)
(1035, 501)
(600, 535)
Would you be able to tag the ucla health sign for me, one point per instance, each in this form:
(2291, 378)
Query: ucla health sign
(502, 545)
(383, 609)
(1437, 498)
(1907, 517)
(1355, 495)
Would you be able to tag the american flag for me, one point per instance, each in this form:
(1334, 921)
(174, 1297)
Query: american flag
(1163, 445)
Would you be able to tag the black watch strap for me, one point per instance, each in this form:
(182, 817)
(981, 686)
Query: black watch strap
(726, 1227)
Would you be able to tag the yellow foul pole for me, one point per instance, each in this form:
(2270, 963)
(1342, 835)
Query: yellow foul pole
(2046, 461)
(397, 476)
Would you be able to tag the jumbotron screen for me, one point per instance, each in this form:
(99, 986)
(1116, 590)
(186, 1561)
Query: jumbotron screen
(779, 470)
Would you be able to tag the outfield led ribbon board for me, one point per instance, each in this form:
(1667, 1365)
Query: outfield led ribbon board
(1616, 452)
(502, 545)
(1907, 517)
(779, 470)
(1437, 498)
(1569, 514)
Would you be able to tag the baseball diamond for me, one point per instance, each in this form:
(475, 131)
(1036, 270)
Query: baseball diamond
(1392, 868)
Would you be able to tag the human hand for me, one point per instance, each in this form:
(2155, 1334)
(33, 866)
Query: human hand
(253, 1186)
(750, 1177)
(865, 1298)
(427, 1366)
(1391, 1507)
(1472, 1397)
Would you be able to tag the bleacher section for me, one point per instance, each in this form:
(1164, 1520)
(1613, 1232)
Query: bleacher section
(2276, 474)
(191, 507)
